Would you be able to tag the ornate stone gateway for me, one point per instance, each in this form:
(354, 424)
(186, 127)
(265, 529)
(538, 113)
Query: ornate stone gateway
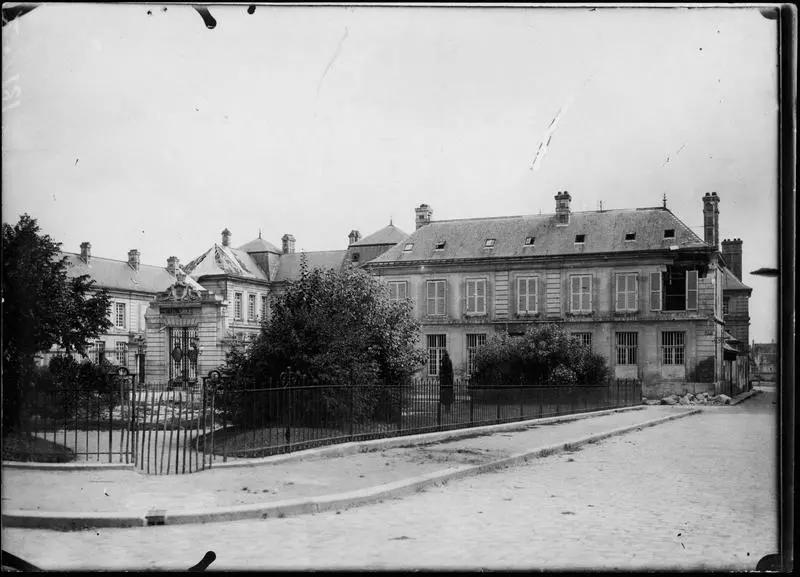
(183, 352)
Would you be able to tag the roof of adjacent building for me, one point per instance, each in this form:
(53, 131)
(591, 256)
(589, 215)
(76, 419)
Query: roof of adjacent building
(604, 231)
(259, 245)
(289, 266)
(119, 275)
(224, 260)
(389, 234)
(730, 282)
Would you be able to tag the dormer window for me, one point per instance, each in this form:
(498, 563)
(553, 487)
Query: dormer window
(529, 240)
(408, 247)
(489, 243)
(439, 245)
(630, 236)
(669, 233)
(580, 238)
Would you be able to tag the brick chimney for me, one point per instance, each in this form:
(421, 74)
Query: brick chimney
(424, 214)
(172, 265)
(562, 207)
(288, 243)
(354, 236)
(133, 259)
(226, 237)
(86, 251)
(732, 253)
(711, 219)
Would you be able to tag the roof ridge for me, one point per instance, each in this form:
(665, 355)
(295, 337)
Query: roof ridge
(113, 260)
(548, 214)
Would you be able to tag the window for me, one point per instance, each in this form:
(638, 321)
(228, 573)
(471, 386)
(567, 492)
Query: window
(489, 243)
(437, 344)
(672, 348)
(473, 342)
(530, 240)
(669, 233)
(580, 238)
(630, 236)
(655, 291)
(527, 295)
(398, 290)
(237, 306)
(476, 296)
(435, 299)
(581, 293)
(356, 256)
(408, 246)
(264, 307)
(584, 338)
(726, 306)
(626, 292)
(251, 307)
(440, 245)
(97, 351)
(120, 316)
(680, 290)
(627, 344)
(121, 354)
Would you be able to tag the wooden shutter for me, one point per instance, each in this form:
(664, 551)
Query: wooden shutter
(691, 290)
(655, 291)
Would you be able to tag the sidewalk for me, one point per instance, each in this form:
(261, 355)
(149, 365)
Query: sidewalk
(307, 482)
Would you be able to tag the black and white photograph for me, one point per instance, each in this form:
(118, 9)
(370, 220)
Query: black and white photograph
(295, 287)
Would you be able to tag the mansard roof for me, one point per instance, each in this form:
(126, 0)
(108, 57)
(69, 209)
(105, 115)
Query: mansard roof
(389, 234)
(224, 260)
(289, 266)
(119, 275)
(730, 282)
(259, 245)
(603, 232)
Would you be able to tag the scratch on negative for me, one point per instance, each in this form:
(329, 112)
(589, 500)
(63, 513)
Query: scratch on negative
(332, 60)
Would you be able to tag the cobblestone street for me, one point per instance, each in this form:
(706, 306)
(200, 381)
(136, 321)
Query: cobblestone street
(695, 493)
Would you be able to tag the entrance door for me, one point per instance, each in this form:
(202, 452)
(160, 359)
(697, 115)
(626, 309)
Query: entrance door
(183, 350)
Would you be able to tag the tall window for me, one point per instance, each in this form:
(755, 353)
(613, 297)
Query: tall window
(121, 354)
(237, 306)
(264, 307)
(97, 352)
(672, 347)
(691, 290)
(476, 296)
(119, 315)
(437, 344)
(627, 343)
(473, 342)
(527, 295)
(584, 338)
(655, 291)
(726, 305)
(398, 290)
(680, 290)
(580, 293)
(626, 292)
(251, 307)
(436, 298)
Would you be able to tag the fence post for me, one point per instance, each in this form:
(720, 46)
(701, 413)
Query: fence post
(521, 398)
(471, 404)
(352, 400)
(400, 403)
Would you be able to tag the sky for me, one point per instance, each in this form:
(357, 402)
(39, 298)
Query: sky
(136, 126)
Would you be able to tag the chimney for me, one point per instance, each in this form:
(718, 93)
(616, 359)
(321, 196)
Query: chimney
(288, 243)
(732, 253)
(424, 214)
(86, 251)
(133, 259)
(354, 236)
(562, 207)
(226, 237)
(711, 219)
(172, 265)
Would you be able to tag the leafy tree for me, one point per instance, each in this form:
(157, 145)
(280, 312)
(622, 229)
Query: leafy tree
(334, 328)
(42, 306)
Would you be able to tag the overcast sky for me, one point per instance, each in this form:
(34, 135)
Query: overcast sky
(151, 131)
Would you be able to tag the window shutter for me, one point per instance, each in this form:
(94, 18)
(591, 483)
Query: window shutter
(620, 296)
(691, 290)
(655, 291)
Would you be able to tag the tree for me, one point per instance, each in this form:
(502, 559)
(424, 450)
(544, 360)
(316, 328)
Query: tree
(334, 328)
(42, 307)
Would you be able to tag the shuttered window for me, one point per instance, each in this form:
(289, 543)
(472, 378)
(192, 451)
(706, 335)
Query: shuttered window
(436, 298)
(476, 296)
(580, 293)
(398, 290)
(527, 295)
(691, 290)
(655, 291)
(626, 292)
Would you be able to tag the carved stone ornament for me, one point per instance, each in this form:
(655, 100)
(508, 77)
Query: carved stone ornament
(179, 292)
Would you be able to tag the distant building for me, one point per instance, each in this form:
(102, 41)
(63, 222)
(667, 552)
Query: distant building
(764, 357)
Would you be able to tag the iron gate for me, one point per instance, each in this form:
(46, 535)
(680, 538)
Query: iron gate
(183, 351)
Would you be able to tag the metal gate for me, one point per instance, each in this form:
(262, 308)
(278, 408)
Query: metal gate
(183, 351)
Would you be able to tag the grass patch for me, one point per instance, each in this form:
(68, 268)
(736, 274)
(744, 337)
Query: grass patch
(22, 447)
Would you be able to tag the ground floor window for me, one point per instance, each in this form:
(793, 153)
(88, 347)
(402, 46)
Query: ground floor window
(627, 345)
(672, 347)
(437, 344)
(473, 342)
(121, 351)
(584, 338)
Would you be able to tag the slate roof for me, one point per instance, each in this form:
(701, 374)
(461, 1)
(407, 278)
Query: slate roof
(730, 282)
(389, 234)
(118, 274)
(259, 245)
(289, 266)
(224, 260)
(604, 232)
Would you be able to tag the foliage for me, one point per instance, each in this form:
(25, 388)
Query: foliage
(335, 329)
(545, 354)
(42, 306)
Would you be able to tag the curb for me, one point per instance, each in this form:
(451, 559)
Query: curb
(77, 521)
(743, 397)
(68, 466)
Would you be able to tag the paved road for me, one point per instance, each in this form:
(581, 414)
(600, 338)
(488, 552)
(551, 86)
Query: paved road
(696, 493)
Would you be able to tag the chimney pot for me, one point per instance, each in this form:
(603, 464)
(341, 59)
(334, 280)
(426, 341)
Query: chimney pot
(133, 258)
(288, 243)
(711, 219)
(86, 251)
(423, 215)
(563, 199)
(226, 237)
(354, 236)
